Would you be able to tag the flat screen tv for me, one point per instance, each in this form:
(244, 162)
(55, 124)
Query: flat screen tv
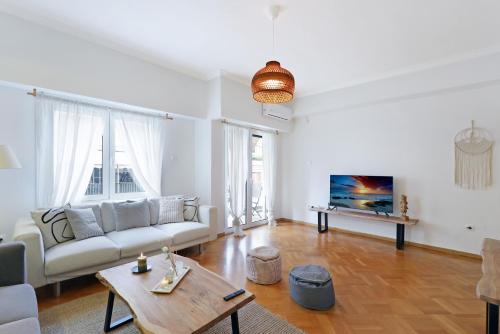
(371, 193)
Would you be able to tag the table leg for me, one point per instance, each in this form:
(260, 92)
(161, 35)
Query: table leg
(234, 323)
(400, 236)
(320, 229)
(491, 318)
(108, 326)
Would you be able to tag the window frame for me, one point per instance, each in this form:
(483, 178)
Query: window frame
(108, 169)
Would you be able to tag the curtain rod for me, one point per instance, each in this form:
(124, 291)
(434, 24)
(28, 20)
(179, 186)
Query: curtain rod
(35, 93)
(250, 127)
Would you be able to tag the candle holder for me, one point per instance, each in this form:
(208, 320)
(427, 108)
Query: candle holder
(142, 265)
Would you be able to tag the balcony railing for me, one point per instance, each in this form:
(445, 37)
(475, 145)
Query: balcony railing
(94, 189)
(120, 188)
(128, 187)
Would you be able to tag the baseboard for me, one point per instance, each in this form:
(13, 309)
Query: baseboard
(388, 239)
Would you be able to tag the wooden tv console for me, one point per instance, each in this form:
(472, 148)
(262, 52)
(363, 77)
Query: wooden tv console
(399, 221)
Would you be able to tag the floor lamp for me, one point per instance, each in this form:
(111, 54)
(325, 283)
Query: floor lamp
(8, 160)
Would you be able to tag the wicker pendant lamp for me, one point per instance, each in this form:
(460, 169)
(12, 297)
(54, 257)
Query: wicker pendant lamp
(273, 83)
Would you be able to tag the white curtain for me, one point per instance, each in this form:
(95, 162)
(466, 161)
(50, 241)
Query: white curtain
(144, 140)
(237, 142)
(67, 134)
(269, 159)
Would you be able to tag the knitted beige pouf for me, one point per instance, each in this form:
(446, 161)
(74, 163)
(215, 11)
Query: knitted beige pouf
(264, 265)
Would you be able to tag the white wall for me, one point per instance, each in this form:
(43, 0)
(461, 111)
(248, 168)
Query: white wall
(218, 191)
(180, 158)
(17, 187)
(410, 138)
(35, 55)
(203, 167)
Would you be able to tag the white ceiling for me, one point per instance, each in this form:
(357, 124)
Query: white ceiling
(325, 43)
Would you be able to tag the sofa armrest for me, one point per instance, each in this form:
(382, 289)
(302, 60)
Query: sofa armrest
(12, 263)
(207, 215)
(26, 230)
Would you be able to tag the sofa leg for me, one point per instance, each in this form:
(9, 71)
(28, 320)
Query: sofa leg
(56, 289)
(200, 248)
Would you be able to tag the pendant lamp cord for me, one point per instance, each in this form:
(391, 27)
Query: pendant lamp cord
(274, 38)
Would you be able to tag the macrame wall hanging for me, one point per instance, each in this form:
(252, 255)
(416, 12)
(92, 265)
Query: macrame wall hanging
(473, 158)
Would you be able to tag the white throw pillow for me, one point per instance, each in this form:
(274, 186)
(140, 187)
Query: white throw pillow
(171, 210)
(191, 209)
(54, 226)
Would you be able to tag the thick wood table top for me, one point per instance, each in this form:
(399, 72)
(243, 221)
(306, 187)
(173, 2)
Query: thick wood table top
(195, 305)
(488, 287)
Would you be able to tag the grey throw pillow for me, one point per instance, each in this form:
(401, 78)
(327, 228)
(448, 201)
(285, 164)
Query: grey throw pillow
(108, 216)
(83, 223)
(131, 214)
(154, 210)
(53, 225)
(171, 210)
(95, 207)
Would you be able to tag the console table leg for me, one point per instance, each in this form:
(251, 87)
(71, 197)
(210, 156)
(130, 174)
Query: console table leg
(234, 323)
(108, 326)
(400, 236)
(491, 318)
(320, 229)
(319, 222)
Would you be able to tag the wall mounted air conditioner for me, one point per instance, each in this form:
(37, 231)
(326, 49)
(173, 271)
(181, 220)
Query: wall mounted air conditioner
(277, 111)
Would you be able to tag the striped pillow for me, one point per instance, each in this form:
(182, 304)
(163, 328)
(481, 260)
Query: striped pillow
(171, 210)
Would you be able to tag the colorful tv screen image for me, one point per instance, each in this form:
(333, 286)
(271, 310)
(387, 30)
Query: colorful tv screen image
(372, 193)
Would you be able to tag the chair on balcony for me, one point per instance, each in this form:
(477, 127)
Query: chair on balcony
(257, 189)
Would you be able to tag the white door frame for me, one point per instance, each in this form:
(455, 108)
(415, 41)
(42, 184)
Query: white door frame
(248, 217)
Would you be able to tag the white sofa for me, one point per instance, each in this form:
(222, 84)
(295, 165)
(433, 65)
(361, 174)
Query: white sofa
(76, 258)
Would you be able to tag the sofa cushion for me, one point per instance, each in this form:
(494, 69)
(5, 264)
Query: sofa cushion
(24, 326)
(74, 255)
(17, 302)
(142, 239)
(185, 232)
(131, 215)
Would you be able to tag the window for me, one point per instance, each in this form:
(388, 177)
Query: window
(112, 176)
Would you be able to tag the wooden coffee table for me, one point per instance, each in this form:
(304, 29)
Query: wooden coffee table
(194, 306)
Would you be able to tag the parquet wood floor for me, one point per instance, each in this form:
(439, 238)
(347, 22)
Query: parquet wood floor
(378, 289)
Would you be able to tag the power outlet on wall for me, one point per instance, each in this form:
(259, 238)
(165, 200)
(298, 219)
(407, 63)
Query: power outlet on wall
(469, 227)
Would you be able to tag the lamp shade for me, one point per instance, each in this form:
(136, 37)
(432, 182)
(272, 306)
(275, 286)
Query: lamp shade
(8, 159)
(273, 84)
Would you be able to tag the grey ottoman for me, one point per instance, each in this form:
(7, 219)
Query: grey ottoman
(311, 287)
